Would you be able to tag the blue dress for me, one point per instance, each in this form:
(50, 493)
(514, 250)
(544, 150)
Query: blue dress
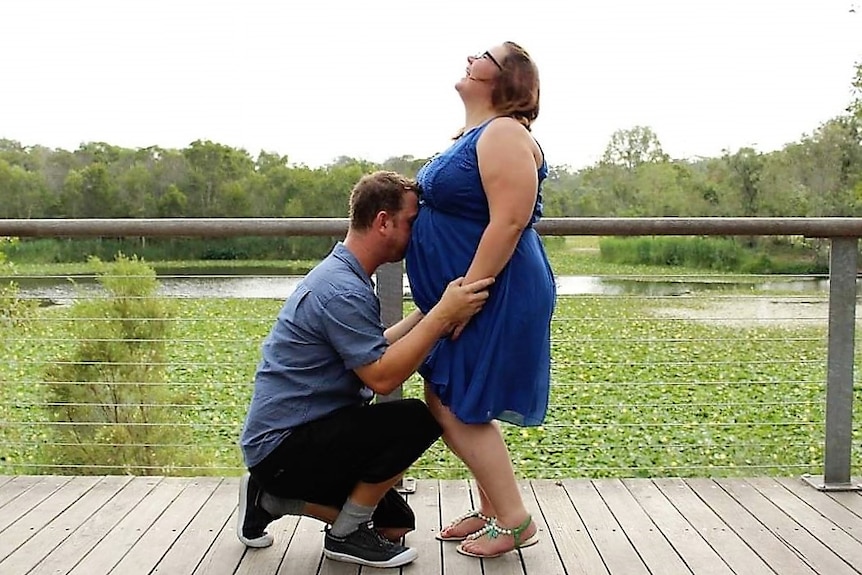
(499, 368)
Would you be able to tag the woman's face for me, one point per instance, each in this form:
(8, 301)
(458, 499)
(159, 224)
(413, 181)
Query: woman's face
(484, 67)
(487, 65)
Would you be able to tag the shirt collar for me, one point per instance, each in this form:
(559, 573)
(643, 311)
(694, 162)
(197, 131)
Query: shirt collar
(341, 252)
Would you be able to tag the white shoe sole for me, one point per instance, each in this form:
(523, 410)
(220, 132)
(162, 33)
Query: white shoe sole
(407, 556)
(260, 542)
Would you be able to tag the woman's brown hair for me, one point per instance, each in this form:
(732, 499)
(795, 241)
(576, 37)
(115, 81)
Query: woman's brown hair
(516, 91)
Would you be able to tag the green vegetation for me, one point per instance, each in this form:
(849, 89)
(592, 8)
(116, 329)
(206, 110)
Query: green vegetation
(106, 394)
(642, 387)
(635, 395)
(220, 251)
(819, 175)
(12, 309)
(715, 254)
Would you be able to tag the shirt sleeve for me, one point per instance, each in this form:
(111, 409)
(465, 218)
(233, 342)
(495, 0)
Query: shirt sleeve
(353, 326)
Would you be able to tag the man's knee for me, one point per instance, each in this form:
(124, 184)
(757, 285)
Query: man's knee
(421, 419)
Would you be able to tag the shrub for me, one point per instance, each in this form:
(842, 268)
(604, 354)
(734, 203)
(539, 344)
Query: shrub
(112, 406)
(12, 308)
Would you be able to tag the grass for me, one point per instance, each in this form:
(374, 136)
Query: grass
(634, 393)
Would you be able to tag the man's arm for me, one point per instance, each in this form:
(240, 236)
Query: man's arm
(395, 332)
(459, 302)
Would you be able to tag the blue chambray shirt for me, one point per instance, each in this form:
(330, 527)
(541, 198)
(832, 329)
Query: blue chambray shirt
(327, 327)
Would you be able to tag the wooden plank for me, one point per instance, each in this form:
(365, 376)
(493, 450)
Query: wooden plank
(851, 500)
(694, 550)
(425, 502)
(42, 514)
(569, 534)
(819, 557)
(763, 542)
(83, 538)
(29, 499)
(225, 554)
(305, 553)
(842, 544)
(192, 545)
(739, 556)
(456, 497)
(116, 544)
(543, 558)
(655, 551)
(508, 564)
(14, 486)
(147, 551)
(607, 535)
(416, 542)
(330, 567)
(55, 524)
(267, 561)
(827, 506)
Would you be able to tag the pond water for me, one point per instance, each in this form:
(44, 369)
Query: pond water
(250, 283)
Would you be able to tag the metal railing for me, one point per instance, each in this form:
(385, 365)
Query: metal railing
(843, 233)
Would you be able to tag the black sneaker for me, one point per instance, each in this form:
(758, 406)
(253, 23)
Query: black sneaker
(367, 547)
(252, 519)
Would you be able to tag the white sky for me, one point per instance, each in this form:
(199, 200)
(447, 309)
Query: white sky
(316, 79)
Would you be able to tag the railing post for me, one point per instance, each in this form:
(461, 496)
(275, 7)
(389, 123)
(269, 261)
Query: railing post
(839, 372)
(390, 290)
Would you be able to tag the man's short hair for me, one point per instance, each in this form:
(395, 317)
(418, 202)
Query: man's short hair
(377, 192)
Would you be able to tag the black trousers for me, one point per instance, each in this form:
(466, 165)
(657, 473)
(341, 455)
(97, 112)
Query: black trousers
(322, 461)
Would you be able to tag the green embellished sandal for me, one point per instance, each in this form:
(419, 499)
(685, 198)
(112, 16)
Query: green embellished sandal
(469, 515)
(492, 530)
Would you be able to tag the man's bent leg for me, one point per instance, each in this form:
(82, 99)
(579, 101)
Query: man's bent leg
(360, 506)
(322, 462)
(407, 429)
(252, 519)
(281, 506)
(352, 537)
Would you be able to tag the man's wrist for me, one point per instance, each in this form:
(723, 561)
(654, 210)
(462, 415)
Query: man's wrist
(441, 324)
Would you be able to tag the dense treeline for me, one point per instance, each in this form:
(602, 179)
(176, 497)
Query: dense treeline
(820, 175)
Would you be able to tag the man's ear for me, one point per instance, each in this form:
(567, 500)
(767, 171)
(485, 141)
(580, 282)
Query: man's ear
(382, 220)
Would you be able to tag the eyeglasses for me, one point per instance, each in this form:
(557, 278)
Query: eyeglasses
(490, 57)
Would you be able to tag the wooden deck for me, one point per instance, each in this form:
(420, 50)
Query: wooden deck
(176, 526)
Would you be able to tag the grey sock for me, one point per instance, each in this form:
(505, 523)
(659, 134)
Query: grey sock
(352, 515)
(279, 506)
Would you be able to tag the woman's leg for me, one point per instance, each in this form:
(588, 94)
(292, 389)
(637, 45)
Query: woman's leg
(482, 449)
(459, 529)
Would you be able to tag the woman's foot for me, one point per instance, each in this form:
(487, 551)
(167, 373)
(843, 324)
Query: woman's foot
(460, 528)
(494, 540)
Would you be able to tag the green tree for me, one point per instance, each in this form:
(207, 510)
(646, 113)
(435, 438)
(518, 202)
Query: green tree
(110, 391)
(855, 107)
(172, 204)
(782, 193)
(99, 192)
(212, 167)
(745, 167)
(406, 165)
(23, 194)
(661, 190)
(633, 147)
(72, 195)
(828, 164)
(136, 197)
